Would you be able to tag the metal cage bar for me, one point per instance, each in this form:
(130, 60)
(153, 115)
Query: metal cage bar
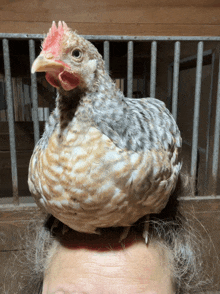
(207, 157)
(34, 94)
(153, 68)
(130, 69)
(9, 101)
(118, 38)
(176, 78)
(196, 113)
(106, 55)
(216, 138)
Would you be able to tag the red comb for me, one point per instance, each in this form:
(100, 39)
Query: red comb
(52, 42)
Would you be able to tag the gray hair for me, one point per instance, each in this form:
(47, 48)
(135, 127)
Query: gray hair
(169, 231)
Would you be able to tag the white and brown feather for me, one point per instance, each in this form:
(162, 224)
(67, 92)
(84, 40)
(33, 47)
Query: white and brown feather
(105, 160)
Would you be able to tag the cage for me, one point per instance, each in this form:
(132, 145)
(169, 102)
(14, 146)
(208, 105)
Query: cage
(181, 71)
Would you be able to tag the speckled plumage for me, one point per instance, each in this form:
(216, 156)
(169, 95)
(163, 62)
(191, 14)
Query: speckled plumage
(104, 160)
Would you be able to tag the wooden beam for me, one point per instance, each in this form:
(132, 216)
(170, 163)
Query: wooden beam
(113, 17)
(134, 29)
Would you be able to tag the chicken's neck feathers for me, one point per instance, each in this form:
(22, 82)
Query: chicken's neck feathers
(80, 103)
(132, 124)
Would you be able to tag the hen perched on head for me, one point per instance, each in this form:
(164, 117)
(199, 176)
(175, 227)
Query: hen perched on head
(104, 160)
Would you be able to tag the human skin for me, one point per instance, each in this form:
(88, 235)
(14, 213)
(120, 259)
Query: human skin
(105, 267)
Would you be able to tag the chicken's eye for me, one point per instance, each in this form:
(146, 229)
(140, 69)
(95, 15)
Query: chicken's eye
(76, 53)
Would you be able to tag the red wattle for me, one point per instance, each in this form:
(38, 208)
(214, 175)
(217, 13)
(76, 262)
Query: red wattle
(65, 79)
(68, 80)
(52, 80)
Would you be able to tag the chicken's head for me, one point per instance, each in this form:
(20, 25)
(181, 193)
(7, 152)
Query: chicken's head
(68, 59)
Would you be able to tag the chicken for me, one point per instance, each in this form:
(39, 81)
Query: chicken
(104, 160)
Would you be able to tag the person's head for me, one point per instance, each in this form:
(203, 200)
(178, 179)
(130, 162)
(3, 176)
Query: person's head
(101, 265)
(81, 263)
(69, 262)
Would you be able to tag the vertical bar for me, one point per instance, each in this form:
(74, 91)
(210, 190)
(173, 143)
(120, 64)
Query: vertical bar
(153, 68)
(3, 115)
(216, 138)
(106, 55)
(145, 78)
(138, 85)
(21, 98)
(130, 69)
(9, 100)
(196, 113)
(175, 79)
(34, 93)
(209, 121)
(122, 86)
(169, 84)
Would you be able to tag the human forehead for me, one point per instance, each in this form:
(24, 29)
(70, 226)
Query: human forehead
(130, 271)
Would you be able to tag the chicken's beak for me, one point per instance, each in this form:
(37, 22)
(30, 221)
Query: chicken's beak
(43, 64)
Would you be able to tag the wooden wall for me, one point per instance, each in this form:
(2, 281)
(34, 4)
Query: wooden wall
(113, 17)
